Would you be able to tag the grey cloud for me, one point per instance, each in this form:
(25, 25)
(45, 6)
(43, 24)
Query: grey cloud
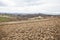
(44, 6)
(2, 4)
(54, 9)
(30, 0)
(27, 2)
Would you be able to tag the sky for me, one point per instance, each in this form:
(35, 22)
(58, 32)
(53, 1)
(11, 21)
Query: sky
(30, 6)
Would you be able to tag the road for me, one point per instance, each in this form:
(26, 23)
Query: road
(23, 21)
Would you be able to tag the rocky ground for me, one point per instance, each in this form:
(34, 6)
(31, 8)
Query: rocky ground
(40, 30)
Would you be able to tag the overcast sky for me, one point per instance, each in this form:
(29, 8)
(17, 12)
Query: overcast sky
(30, 6)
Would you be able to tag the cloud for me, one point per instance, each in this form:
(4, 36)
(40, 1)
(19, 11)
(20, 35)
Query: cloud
(7, 3)
(2, 4)
(30, 6)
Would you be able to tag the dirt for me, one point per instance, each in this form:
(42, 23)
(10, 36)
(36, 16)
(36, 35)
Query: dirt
(31, 30)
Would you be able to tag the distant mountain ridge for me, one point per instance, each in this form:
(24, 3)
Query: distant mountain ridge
(26, 15)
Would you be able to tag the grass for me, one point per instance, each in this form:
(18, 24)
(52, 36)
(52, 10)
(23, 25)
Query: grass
(4, 19)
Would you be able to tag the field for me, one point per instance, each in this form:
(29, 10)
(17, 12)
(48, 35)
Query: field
(40, 29)
(4, 19)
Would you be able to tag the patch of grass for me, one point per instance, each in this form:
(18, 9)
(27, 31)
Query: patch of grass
(4, 19)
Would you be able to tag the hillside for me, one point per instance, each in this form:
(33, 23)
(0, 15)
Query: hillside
(45, 29)
(4, 17)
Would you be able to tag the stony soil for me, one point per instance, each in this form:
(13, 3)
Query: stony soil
(40, 30)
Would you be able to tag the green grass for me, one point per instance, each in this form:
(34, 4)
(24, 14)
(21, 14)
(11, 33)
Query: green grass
(4, 19)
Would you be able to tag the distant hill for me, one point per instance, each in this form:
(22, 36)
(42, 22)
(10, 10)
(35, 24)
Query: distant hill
(16, 16)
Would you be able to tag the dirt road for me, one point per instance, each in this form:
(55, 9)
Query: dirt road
(26, 21)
